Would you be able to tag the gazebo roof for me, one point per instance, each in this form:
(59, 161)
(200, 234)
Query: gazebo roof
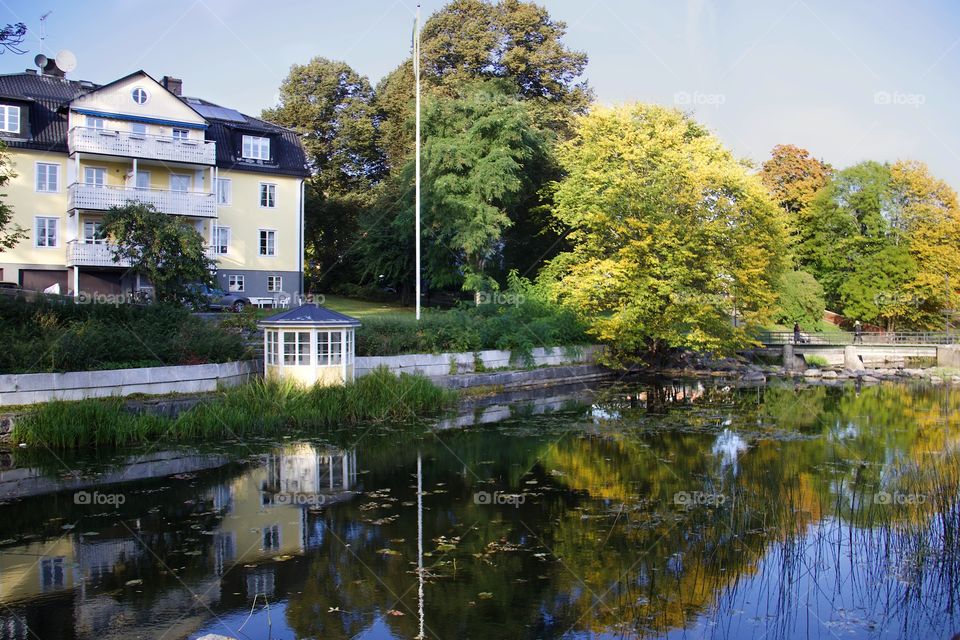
(311, 314)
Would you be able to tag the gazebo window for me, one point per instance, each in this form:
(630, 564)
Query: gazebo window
(296, 347)
(348, 351)
(273, 351)
(329, 347)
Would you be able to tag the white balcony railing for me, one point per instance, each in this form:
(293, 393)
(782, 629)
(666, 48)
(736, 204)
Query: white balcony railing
(82, 254)
(134, 145)
(181, 203)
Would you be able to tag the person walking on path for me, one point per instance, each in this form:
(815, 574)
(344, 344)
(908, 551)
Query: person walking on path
(857, 333)
(796, 333)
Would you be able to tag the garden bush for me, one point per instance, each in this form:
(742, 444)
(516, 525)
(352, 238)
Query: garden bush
(54, 334)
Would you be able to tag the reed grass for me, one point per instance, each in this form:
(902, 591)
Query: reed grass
(261, 408)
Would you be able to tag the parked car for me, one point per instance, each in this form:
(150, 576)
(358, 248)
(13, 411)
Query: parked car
(216, 299)
(9, 285)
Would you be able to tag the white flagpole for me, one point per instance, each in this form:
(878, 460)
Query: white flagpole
(416, 75)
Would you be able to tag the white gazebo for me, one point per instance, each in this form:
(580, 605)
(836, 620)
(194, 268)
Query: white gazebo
(310, 345)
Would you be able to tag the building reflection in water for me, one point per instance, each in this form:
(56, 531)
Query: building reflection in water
(271, 509)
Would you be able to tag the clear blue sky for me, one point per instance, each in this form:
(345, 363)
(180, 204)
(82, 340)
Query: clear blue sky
(847, 79)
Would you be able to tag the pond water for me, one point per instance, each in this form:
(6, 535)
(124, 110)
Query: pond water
(653, 510)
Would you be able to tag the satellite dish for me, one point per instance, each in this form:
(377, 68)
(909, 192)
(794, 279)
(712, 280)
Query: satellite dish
(40, 60)
(66, 60)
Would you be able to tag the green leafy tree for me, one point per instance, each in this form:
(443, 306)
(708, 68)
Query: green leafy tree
(876, 290)
(671, 234)
(10, 232)
(512, 40)
(476, 151)
(801, 300)
(331, 106)
(846, 224)
(885, 242)
(165, 249)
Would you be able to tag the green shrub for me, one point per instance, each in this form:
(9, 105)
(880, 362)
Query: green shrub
(519, 327)
(49, 335)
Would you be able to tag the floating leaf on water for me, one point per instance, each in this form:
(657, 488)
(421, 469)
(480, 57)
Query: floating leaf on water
(388, 552)
(68, 526)
(282, 558)
(394, 612)
(484, 595)
(133, 583)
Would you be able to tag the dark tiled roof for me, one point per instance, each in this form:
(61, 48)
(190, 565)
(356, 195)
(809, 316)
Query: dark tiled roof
(49, 96)
(311, 313)
(288, 156)
(48, 119)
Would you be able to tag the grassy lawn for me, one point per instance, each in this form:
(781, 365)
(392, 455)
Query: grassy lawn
(362, 309)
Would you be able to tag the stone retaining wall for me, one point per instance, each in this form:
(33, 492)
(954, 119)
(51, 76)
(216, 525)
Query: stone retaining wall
(441, 365)
(33, 388)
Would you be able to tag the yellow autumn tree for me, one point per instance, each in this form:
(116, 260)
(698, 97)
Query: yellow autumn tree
(672, 237)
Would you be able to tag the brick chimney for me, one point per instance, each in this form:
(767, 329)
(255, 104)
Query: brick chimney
(173, 85)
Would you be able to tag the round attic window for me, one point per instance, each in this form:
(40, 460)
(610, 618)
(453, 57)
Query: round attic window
(140, 95)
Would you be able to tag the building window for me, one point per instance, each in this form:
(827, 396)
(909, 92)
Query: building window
(140, 95)
(179, 182)
(274, 284)
(268, 243)
(224, 191)
(221, 240)
(91, 231)
(96, 176)
(181, 134)
(9, 118)
(272, 348)
(143, 179)
(48, 177)
(348, 347)
(256, 148)
(138, 128)
(296, 347)
(47, 232)
(235, 283)
(268, 195)
(329, 348)
(95, 123)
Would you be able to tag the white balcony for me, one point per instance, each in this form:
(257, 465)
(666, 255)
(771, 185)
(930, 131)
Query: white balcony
(181, 203)
(82, 254)
(134, 145)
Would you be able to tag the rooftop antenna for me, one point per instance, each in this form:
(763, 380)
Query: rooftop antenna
(43, 32)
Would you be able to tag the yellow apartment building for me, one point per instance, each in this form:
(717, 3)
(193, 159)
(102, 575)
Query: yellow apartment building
(79, 148)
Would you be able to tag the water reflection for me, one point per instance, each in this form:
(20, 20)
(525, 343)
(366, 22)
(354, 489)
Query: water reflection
(674, 510)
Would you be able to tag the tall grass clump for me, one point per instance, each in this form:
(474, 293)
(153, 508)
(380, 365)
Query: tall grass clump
(261, 408)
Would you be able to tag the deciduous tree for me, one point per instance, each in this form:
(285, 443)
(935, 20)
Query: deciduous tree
(165, 249)
(331, 106)
(671, 236)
